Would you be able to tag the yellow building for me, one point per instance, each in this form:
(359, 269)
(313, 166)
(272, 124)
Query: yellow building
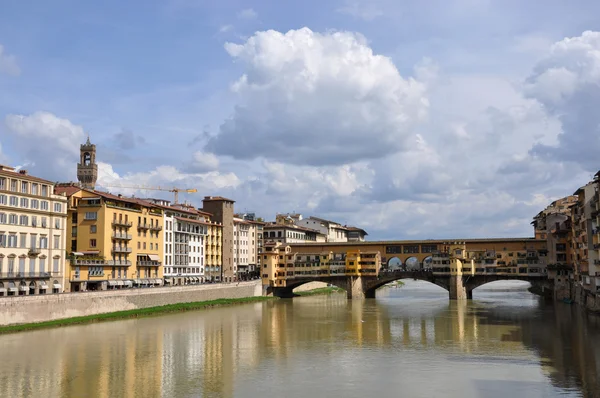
(115, 242)
(212, 253)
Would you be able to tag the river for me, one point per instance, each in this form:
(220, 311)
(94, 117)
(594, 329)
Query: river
(410, 342)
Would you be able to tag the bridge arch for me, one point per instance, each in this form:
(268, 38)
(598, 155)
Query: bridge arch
(412, 263)
(372, 287)
(394, 263)
(427, 262)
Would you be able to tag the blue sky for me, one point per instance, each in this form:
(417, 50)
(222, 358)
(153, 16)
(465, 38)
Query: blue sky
(412, 119)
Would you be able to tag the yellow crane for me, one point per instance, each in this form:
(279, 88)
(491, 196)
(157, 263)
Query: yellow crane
(141, 188)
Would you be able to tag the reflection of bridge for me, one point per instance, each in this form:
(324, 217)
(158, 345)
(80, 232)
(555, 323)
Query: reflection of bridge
(458, 286)
(459, 266)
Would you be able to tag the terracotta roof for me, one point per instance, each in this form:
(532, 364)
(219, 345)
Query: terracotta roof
(324, 220)
(193, 221)
(68, 190)
(356, 229)
(293, 227)
(16, 174)
(217, 199)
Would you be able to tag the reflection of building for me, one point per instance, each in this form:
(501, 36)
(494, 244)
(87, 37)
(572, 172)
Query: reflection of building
(32, 234)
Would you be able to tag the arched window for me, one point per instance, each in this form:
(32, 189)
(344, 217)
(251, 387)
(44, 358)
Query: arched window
(87, 159)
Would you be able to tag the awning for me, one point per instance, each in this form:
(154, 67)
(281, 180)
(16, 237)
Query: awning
(77, 254)
(43, 286)
(154, 257)
(168, 281)
(2, 290)
(120, 283)
(137, 281)
(91, 252)
(144, 281)
(12, 289)
(23, 288)
(128, 283)
(158, 281)
(57, 286)
(112, 283)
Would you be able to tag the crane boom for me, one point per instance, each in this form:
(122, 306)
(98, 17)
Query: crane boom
(142, 188)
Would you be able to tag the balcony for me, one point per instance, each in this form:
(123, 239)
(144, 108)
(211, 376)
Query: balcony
(120, 235)
(34, 251)
(18, 275)
(121, 223)
(143, 225)
(121, 249)
(149, 263)
(155, 228)
(118, 263)
(83, 261)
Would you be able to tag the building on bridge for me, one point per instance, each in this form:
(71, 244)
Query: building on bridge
(463, 263)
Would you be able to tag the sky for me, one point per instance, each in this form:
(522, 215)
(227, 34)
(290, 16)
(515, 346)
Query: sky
(410, 119)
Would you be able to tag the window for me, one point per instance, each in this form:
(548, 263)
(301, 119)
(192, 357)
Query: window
(58, 207)
(12, 240)
(93, 229)
(44, 190)
(44, 205)
(42, 265)
(13, 185)
(23, 220)
(34, 189)
(14, 201)
(24, 202)
(33, 241)
(32, 265)
(3, 200)
(144, 245)
(55, 265)
(43, 242)
(12, 219)
(3, 218)
(96, 271)
(2, 183)
(35, 204)
(44, 222)
(22, 265)
(23, 241)
(24, 186)
(11, 265)
(92, 242)
(34, 221)
(139, 245)
(91, 215)
(57, 223)
(57, 241)
(2, 239)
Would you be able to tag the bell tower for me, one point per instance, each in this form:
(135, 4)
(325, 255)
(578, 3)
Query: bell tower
(87, 169)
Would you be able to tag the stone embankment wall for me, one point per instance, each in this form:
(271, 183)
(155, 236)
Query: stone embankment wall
(576, 292)
(30, 309)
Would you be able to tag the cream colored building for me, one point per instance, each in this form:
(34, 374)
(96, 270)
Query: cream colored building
(32, 235)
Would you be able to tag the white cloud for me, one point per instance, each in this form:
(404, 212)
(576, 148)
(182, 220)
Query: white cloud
(225, 28)
(366, 10)
(318, 99)
(49, 143)
(248, 13)
(567, 83)
(165, 176)
(8, 63)
(202, 162)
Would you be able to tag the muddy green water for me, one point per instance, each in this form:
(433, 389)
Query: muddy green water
(409, 342)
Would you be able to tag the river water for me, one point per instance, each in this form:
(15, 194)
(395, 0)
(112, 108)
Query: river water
(410, 342)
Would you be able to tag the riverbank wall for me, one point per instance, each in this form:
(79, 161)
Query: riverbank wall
(568, 290)
(33, 309)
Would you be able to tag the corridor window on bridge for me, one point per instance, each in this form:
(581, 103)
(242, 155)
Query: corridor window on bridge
(411, 249)
(393, 249)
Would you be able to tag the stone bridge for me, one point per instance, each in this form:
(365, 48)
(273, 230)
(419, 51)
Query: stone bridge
(458, 286)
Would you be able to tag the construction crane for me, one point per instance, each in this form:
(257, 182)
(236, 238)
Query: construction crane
(140, 188)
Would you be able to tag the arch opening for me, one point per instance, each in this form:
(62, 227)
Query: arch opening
(412, 263)
(394, 264)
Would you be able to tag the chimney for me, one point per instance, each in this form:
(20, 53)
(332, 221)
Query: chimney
(23, 172)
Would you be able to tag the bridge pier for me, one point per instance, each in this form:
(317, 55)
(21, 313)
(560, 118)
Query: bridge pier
(354, 288)
(458, 290)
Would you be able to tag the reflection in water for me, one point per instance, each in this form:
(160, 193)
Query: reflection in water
(410, 341)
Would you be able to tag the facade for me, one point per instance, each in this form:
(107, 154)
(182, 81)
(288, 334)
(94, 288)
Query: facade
(184, 235)
(334, 232)
(213, 250)
(32, 235)
(222, 212)
(289, 234)
(115, 242)
(585, 256)
(244, 252)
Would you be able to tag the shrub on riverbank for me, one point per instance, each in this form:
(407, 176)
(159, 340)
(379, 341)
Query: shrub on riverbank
(137, 313)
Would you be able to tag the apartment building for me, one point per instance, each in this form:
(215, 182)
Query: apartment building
(331, 231)
(288, 234)
(115, 242)
(32, 235)
(213, 250)
(184, 234)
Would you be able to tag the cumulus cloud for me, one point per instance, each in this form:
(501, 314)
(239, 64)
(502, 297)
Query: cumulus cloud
(164, 176)
(318, 99)
(248, 13)
(567, 83)
(47, 142)
(8, 63)
(202, 162)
